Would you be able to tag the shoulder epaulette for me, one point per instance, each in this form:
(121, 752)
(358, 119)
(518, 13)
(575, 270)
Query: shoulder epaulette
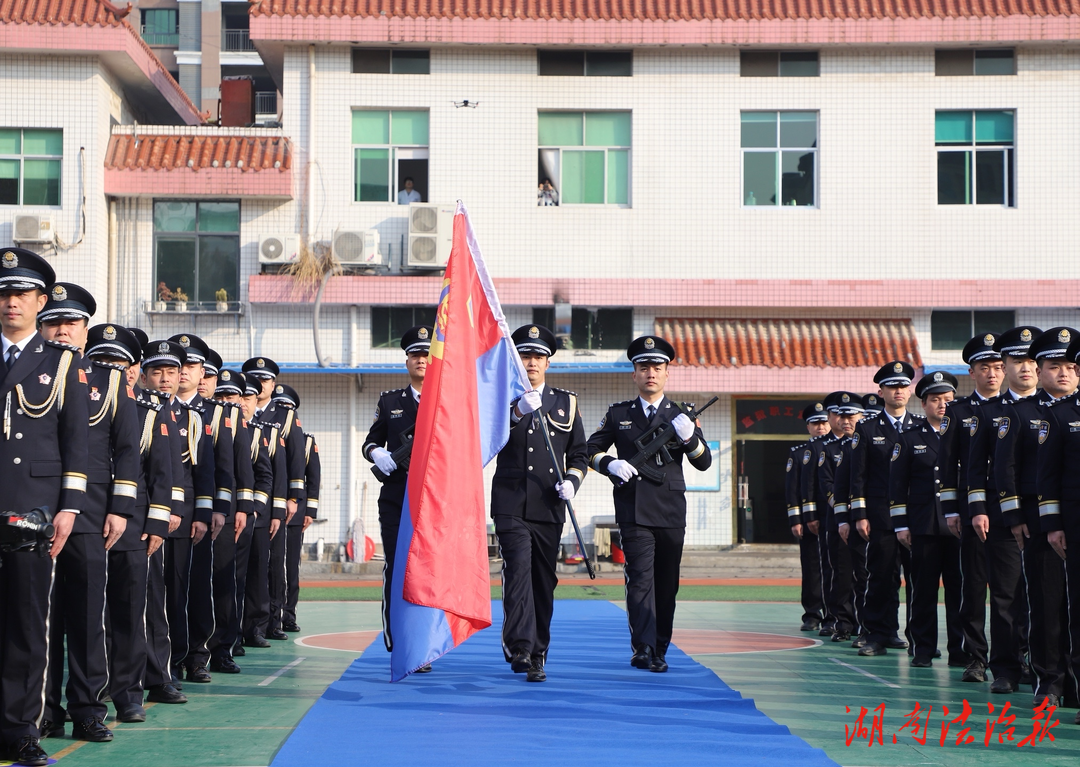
(624, 402)
(564, 391)
(65, 347)
(149, 404)
(108, 365)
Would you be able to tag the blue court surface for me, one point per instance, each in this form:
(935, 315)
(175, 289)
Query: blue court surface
(594, 708)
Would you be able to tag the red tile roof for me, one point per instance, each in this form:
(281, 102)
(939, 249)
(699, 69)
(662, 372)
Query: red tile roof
(198, 152)
(664, 10)
(790, 343)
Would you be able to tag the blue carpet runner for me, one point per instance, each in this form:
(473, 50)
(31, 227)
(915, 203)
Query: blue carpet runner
(594, 709)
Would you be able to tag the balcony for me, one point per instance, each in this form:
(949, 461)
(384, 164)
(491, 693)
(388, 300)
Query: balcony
(266, 103)
(157, 36)
(236, 41)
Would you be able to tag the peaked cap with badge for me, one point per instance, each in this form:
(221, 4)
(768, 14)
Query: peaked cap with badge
(68, 301)
(196, 349)
(158, 353)
(113, 341)
(650, 349)
(815, 412)
(1017, 341)
(935, 382)
(981, 348)
(22, 269)
(535, 339)
(895, 373)
(260, 367)
(1053, 343)
(416, 339)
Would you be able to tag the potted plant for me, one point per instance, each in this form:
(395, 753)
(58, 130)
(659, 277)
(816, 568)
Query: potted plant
(222, 297)
(164, 295)
(181, 299)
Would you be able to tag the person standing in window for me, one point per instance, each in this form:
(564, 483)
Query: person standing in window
(408, 194)
(546, 194)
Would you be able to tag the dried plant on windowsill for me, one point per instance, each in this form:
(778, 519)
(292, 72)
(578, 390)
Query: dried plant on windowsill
(312, 265)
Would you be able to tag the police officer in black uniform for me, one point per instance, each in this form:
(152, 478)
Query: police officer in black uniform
(1058, 485)
(312, 486)
(814, 518)
(856, 544)
(651, 516)
(43, 449)
(817, 424)
(395, 414)
(1016, 471)
(81, 571)
(1008, 600)
(918, 519)
(528, 502)
(285, 397)
(962, 415)
(159, 376)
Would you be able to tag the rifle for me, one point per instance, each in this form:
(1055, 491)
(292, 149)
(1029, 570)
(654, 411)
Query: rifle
(653, 448)
(401, 456)
(569, 507)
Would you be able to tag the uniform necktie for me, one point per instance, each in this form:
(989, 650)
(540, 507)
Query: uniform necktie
(12, 355)
(651, 412)
(898, 425)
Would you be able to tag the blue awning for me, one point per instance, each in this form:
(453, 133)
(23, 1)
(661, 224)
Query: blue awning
(393, 368)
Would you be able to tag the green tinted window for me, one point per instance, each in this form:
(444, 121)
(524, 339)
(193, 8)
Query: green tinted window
(372, 175)
(174, 216)
(370, 127)
(583, 177)
(197, 249)
(607, 129)
(561, 129)
(953, 128)
(41, 182)
(993, 127)
(10, 141)
(758, 129)
(219, 217)
(618, 173)
(950, 330)
(43, 142)
(408, 128)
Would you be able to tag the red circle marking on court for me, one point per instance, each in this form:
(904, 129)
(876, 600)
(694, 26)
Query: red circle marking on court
(346, 641)
(719, 642)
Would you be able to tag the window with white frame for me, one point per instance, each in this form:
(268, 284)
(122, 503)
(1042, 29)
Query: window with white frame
(390, 148)
(30, 160)
(584, 158)
(976, 157)
(779, 155)
(197, 252)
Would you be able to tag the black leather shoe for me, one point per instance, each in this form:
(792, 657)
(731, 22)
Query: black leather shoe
(841, 637)
(896, 643)
(199, 675)
(177, 677)
(922, 661)
(1002, 685)
(238, 651)
(937, 653)
(1026, 677)
(520, 661)
(131, 715)
(1051, 700)
(165, 693)
(257, 641)
(642, 658)
(826, 631)
(426, 669)
(224, 665)
(277, 634)
(858, 642)
(810, 625)
(873, 648)
(51, 729)
(658, 665)
(91, 729)
(975, 672)
(536, 671)
(292, 628)
(1077, 719)
(28, 751)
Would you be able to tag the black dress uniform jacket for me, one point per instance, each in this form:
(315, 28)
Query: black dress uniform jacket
(871, 448)
(915, 483)
(313, 477)
(641, 501)
(395, 414)
(1057, 479)
(961, 421)
(1016, 459)
(197, 454)
(524, 482)
(113, 448)
(792, 486)
(981, 476)
(289, 429)
(155, 492)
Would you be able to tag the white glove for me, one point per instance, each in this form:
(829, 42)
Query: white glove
(529, 402)
(684, 427)
(382, 458)
(565, 490)
(621, 469)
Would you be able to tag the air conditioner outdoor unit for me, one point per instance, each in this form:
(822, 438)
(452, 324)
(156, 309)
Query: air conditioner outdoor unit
(279, 248)
(358, 248)
(431, 235)
(32, 229)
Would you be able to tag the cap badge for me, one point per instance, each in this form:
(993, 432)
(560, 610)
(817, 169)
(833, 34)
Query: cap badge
(279, 390)
(260, 363)
(59, 293)
(650, 344)
(1064, 337)
(1025, 336)
(938, 378)
(10, 260)
(185, 341)
(163, 347)
(845, 398)
(225, 375)
(818, 407)
(422, 334)
(109, 334)
(898, 368)
(988, 339)
(534, 332)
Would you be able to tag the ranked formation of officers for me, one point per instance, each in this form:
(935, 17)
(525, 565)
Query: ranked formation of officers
(979, 494)
(178, 493)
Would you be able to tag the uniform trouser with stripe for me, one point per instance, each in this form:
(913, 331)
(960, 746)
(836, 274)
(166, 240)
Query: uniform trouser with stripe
(128, 627)
(158, 642)
(1008, 604)
(79, 616)
(1048, 639)
(1072, 590)
(810, 559)
(389, 532)
(242, 560)
(858, 545)
(257, 591)
(825, 564)
(277, 577)
(935, 559)
(201, 603)
(225, 625)
(973, 594)
(881, 604)
(294, 544)
(529, 551)
(653, 556)
(26, 584)
(904, 556)
(839, 595)
(177, 574)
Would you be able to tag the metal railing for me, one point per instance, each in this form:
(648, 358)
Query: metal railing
(157, 37)
(236, 40)
(266, 102)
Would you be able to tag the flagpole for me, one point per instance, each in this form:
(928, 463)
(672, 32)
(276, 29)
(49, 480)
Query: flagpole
(569, 506)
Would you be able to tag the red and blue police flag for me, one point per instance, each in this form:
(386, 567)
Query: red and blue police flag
(441, 593)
